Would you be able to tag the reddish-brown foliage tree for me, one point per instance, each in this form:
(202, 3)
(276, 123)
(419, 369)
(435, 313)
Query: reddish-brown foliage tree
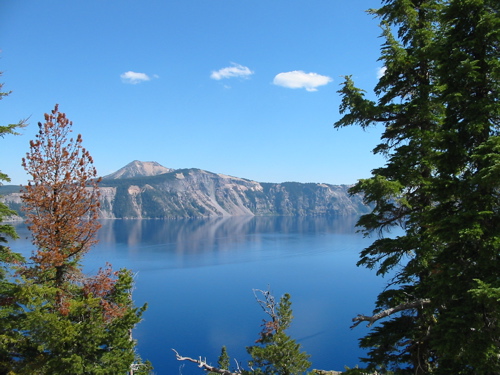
(68, 323)
(103, 286)
(61, 199)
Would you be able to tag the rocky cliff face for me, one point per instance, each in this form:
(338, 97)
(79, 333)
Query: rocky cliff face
(186, 193)
(11, 196)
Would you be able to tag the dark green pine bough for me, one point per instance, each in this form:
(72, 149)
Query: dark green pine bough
(7, 256)
(438, 102)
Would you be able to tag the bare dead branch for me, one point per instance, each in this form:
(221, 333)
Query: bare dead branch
(204, 365)
(268, 304)
(404, 306)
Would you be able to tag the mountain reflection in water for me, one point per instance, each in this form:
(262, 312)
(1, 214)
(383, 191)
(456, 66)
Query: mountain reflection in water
(197, 277)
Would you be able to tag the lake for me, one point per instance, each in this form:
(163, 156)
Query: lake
(197, 277)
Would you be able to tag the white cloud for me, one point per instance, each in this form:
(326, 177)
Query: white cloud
(235, 70)
(298, 79)
(134, 77)
(381, 72)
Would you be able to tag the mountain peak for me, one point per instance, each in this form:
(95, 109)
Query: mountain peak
(138, 168)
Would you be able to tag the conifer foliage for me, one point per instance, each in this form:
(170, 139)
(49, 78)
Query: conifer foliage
(277, 352)
(59, 320)
(7, 231)
(8, 259)
(438, 102)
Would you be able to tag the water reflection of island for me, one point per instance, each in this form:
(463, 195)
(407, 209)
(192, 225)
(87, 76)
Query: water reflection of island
(197, 235)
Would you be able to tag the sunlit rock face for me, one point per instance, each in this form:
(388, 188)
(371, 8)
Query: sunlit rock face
(149, 190)
(138, 168)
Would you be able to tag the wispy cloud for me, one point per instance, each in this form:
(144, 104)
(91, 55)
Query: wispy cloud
(298, 79)
(235, 70)
(381, 72)
(134, 77)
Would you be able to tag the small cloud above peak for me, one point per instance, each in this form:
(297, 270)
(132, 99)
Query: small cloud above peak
(235, 70)
(135, 78)
(299, 79)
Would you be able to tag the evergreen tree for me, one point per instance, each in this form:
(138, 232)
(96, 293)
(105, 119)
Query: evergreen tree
(438, 102)
(91, 336)
(409, 110)
(465, 215)
(277, 353)
(7, 230)
(8, 259)
(223, 362)
(65, 322)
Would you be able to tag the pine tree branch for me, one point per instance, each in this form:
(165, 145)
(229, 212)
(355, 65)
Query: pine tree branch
(390, 311)
(204, 365)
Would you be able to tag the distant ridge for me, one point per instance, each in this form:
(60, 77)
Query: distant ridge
(147, 190)
(138, 169)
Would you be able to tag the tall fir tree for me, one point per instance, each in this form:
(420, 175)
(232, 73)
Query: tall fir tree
(438, 103)
(466, 209)
(408, 109)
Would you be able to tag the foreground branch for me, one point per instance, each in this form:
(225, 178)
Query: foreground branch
(269, 304)
(404, 306)
(204, 365)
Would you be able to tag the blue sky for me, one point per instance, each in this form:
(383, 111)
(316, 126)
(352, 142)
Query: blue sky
(244, 88)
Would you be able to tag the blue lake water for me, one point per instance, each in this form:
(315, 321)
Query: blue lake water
(197, 277)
